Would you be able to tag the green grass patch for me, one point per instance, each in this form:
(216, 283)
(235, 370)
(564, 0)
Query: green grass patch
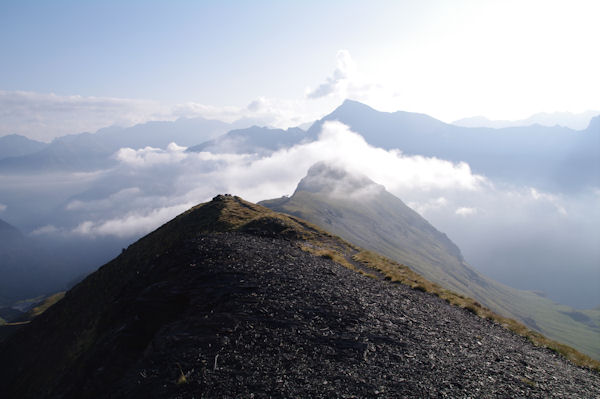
(45, 304)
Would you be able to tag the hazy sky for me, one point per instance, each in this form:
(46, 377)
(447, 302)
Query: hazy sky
(287, 62)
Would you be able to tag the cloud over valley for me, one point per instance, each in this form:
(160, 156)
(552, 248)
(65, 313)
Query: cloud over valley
(148, 186)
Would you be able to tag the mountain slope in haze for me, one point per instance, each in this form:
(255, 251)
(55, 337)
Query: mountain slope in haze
(546, 157)
(30, 267)
(89, 151)
(8, 234)
(362, 212)
(15, 257)
(14, 145)
(570, 120)
(233, 300)
(255, 139)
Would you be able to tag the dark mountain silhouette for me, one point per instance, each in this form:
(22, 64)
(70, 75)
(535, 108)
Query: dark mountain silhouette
(364, 213)
(15, 145)
(255, 139)
(231, 299)
(14, 257)
(547, 157)
(9, 234)
(89, 151)
(30, 267)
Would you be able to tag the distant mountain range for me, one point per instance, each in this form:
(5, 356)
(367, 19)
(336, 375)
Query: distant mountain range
(546, 157)
(565, 119)
(14, 145)
(364, 213)
(552, 158)
(253, 140)
(230, 299)
(549, 157)
(91, 151)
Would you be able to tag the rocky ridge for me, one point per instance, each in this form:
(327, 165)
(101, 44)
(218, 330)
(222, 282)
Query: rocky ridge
(232, 300)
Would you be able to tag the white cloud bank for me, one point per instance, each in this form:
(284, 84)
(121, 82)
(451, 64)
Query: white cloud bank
(155, 185)
(131, 224)
(504, 230)
(150, 185)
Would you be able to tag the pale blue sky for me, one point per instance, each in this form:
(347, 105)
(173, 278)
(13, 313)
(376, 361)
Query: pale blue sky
(216, 52)
(450, 59)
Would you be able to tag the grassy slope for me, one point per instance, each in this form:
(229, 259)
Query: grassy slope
(42, 306)
(385, 225)
(9, 328)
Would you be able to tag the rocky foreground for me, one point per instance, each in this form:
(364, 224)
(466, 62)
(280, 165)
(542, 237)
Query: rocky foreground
(268, 320)
(251, 315)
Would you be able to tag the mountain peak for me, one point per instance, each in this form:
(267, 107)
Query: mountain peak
(230, 213)
(348, 103)
(350, 108)
(336, 181)
(594, 123)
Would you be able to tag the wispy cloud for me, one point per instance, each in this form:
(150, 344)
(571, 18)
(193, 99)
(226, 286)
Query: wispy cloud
(347, 81)
(465, 211)
(131, 224)
(45, 230)
(44, 116)
(262, 111)
(341, 80)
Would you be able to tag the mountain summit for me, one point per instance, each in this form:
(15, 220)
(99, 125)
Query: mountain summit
(337, 182)
(231, 299)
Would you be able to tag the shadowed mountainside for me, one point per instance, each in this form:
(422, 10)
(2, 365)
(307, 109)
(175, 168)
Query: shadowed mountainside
(23, 270)
(231, 299)
(30, 267)
(364, 213)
